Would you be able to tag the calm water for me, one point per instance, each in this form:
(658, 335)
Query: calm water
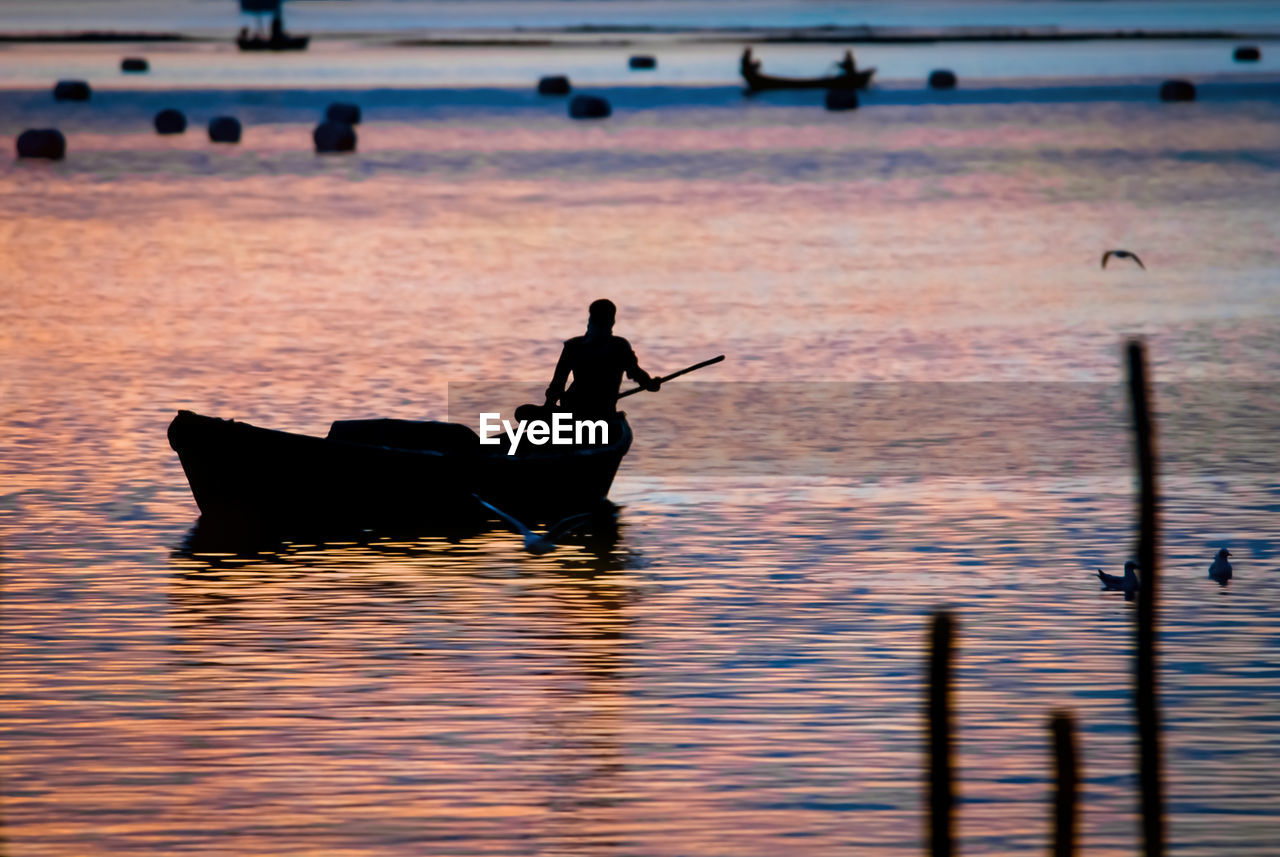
(737, 670)
(207, 17)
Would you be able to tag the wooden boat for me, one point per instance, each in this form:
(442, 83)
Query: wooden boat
(850, 77)
(382, 473)
(282, 43)
(278, 40)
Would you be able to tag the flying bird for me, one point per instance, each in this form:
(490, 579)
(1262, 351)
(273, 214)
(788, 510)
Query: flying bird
(534, 543)
(1122, 254)
(1221, 569)
(1129, 584)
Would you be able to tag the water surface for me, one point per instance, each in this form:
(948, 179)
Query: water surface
(735, 670)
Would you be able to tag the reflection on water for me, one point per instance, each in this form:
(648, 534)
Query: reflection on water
(736, 668)
(518, 724)
(593, 546)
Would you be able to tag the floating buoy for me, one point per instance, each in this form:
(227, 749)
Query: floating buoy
(1177, 90)
(557, 84)
(71, 90)
(642, 62)
(134, 64)
(332, 137)
(942, 78)
(842, 99)
(45, 143)
(1248, 53)
(170, 121)
(343, 111)
(224, 129)
(589, 107)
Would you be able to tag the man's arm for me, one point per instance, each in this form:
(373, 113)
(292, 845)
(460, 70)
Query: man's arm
(560, 378)
(641, 377)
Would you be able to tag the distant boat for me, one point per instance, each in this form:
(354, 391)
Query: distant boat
(278, 39)
(284, 43)
(849, 78)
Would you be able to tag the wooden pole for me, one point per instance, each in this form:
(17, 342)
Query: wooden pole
(665, 378)
(1066, 784)
(938, 711)
(1152, 804)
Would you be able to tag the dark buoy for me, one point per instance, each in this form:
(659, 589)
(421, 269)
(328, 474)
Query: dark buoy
(224, 129)
(589, 107)
(1248, 53)
(71, 90)
(557, 84)
(45, 143)
(332, 137)
(1177, 90)
(842, 99)
(170, 121)
(642, 62)
(343, 111)
(941, 78)
(134, 64)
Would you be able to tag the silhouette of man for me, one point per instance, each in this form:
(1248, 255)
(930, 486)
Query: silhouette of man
(597, 361)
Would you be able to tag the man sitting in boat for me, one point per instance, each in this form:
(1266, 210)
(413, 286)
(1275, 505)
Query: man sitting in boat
(750, 65)
(847, 65)
(597, 361)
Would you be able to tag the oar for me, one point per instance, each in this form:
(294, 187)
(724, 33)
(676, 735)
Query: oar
(665, 378)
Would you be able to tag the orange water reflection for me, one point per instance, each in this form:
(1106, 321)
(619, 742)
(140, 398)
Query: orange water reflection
(739, 671)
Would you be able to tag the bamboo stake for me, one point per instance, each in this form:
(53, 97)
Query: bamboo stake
(938, 710)
(1152, 804)
(1066, 784)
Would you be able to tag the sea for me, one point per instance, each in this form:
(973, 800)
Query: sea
(922, 408)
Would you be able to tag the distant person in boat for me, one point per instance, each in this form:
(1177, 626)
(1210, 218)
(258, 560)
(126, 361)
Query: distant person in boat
(847, 65)
(750, 65)
(597, 360)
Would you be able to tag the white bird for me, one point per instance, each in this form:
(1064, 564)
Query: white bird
(534, 543)
(1129, 584)
(1221, 569)
(1122, 254)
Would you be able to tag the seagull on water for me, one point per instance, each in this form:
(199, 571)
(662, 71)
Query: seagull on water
(1221, 569)
(1129, 584)
(1122, 254)
(534, 543)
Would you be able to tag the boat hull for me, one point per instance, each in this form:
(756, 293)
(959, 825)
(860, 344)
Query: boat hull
(288, 43)
(760, 82)
(257, 480)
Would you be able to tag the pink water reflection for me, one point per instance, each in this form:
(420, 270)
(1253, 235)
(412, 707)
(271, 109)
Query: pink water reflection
(739, 672)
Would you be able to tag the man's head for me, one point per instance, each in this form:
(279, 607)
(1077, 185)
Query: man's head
(601, 313)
